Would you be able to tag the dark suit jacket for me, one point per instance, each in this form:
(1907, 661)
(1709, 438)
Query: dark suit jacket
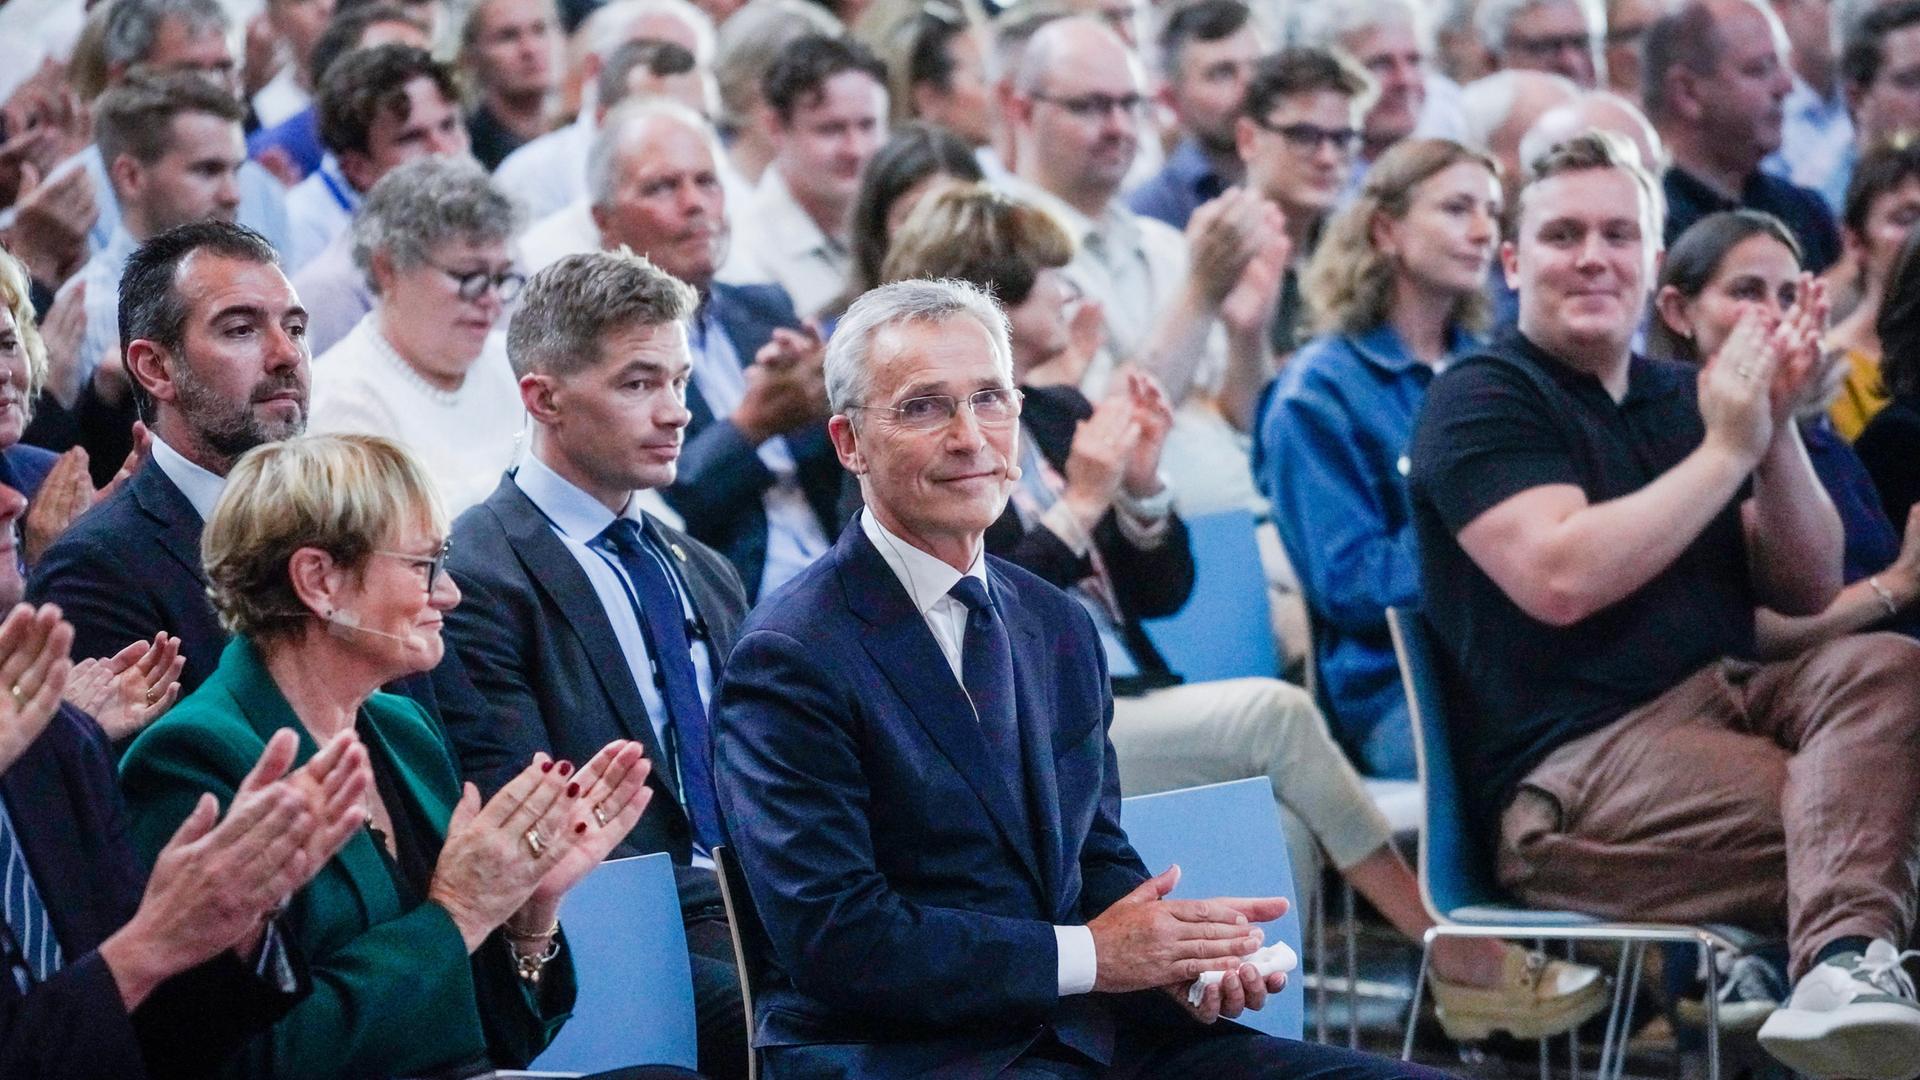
(908, 907)
(1147, 582)
(531, 634)
(73, 828)
(130, 568)
(721, 479)
(395, 992)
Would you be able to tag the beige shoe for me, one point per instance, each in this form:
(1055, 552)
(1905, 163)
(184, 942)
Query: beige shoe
(1537, 998)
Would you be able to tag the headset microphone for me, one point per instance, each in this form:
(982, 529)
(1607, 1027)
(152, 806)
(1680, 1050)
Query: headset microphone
(343, 622)
(1013, 471)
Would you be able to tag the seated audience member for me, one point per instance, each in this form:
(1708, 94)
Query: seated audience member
(937, 73)
(1564, 37)
(185, 37)
(116, 975)
(1715, 79)
(296, 26)
(377, 108)
(938, 860)
(1726, 264)
(1816, 130)
(575, 593)
(511, 49)
(291, 149)
(1882, 209)
(1890, 445)
(746, 47)
(1090, 514)
(433, 934)
(1596, 531)
(1595, 110)
(1298, 132)
(828, 99)
(1627, 22)
(173, 149)
(757, 480)
(637, 70)
(550, 172)
(1207, 54)
(426, 367)
(23, 374)
(1012, 29)
(1879, 62)
(1397, 292)
(1500, 110)
(1393, 41)
(913, 161)
(1457, 46)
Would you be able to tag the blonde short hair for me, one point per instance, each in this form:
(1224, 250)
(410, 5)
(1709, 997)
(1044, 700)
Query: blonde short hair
(17, 297)
(343, 494)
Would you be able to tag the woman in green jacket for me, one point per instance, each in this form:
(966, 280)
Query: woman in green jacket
(432, 936)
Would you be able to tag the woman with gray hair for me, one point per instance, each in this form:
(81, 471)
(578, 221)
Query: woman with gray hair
(426, 367)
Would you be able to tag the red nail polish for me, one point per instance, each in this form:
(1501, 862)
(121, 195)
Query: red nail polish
(572, 790)
(546, 766)
(579, 826)
(566, 768)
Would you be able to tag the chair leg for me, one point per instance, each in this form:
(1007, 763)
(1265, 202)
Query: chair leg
(1713, 1011)
(1573, 1034)
(1419, 988)
(1546, 1058)
(1613, 1012)
(1633, 998)
(1353, 966)
(1320, 965)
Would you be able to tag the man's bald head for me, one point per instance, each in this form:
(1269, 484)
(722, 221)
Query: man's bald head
(1501, 108)
(1075, 109)
(1595, 111)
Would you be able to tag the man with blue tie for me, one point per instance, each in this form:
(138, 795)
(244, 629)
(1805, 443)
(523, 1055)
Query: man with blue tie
(910, 744)
(584, 619)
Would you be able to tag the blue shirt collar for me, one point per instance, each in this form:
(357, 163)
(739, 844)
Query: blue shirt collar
(1189, 164)
(1382, 347)
(579, 516)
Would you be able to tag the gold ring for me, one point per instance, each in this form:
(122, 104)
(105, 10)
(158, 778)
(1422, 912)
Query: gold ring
(535, 844)
(17, 695)
(153, 695)
(600, 814)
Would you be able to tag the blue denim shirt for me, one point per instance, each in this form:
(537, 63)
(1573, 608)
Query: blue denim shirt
(1331, 457)
(1185, 182)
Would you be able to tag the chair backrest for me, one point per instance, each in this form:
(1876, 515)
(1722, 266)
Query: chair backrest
(1453, 870)
(630, 957)
(1225, 631)
(751, 950)
(1227, 840)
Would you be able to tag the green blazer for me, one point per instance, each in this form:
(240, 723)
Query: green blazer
(394, 991)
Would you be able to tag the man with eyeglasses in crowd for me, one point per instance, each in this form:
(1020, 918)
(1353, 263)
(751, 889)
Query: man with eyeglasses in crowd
(1075, 112)
(1299, 132)
(1563, 37)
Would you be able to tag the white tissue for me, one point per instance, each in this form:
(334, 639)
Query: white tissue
(1275, 957)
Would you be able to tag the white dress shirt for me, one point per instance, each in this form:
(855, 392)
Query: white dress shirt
(567, 231)
(101, 274)
(282, 98)
(201, 487)
(466, 438)
(549, 171)
(928, 581)
(778, 241)
(578, 519)
(319, 209)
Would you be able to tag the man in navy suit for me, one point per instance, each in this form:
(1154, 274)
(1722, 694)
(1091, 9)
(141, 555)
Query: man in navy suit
(108, 973)
(556, 627)
(758, 479)
(910, 744)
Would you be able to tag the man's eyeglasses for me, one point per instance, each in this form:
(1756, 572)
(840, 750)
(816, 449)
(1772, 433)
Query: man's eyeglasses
(1549, 45)
(1311, 137)
(471, 285)
(995, 407)
(1096, 106)
(434, 564)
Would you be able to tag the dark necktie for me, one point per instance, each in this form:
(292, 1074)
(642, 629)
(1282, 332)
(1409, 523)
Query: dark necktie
(665, 624)
(26, 915)
(986, 670)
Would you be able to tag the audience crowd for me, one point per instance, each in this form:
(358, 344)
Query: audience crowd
(445, 444)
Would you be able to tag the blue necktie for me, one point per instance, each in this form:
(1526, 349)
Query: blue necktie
(665, 624)
(986, 670)
(25, 914)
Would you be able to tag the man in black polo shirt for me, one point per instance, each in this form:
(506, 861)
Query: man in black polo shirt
(1596, 531)
(1716, 77)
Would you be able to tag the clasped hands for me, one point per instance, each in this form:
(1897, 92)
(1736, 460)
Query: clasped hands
(1765, 372)
(1148, 941)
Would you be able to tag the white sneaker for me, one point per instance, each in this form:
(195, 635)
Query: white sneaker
(1853, 1016)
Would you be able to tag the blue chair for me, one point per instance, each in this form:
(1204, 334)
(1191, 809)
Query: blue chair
(1460, 892)
(636, 984)
(1227, 840)
(1225, 631)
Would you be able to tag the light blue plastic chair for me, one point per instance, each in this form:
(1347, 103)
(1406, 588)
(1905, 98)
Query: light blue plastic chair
(1459, 889)
(1227, 840)
(1225, 631)
(630, 956)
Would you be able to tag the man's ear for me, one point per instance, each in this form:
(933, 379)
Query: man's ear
(147, 364)
(1510, 264)
(1671, 309)
(1244, 132)
(126, 175)
(539, 394)
(846, 444)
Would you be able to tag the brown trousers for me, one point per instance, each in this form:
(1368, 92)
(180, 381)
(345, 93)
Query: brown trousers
(1770, 796)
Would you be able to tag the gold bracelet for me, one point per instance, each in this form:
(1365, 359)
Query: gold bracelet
(529, 966)
(514, 933)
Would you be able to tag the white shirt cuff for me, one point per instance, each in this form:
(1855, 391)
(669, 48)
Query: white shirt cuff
(1077, 962)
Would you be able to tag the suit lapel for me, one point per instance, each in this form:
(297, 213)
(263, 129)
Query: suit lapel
(903, 648)
(1035, 705)
(554, 572)
(180, 524)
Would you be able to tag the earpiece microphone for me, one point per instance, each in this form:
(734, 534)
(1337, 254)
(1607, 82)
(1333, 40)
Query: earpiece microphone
(1013, 471)
(343, 622)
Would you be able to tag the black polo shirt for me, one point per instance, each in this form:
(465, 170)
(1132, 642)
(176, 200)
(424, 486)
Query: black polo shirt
(1512, 418)
(1802, 210)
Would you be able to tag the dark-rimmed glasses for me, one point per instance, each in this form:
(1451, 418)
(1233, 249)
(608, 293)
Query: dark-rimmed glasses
(471, 285)
(1309, 138)
(435, 564)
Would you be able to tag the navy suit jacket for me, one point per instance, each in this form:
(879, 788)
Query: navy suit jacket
(909, 908)
(72, 825)
(130, 568)
(721, 479)
(531, 634)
